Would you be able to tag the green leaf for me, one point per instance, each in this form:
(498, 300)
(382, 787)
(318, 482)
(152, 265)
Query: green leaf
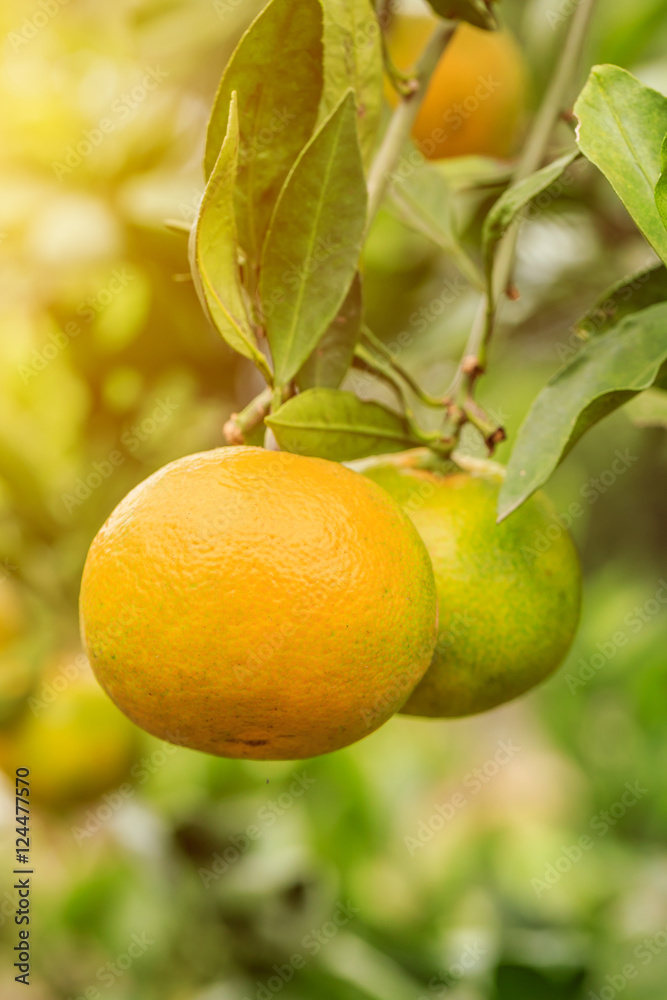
(329, 423)
(313, 245)
(424, 201)
(277, 72)
(514, 199)
(332, 357)
(214, 252)
(661, 186)
(606, 373)
(646, 288)
(477, 12)
(353, 58)
(470, 173)
(622, 125)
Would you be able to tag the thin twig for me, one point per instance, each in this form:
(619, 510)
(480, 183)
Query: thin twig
(404, 116)
(553, 104)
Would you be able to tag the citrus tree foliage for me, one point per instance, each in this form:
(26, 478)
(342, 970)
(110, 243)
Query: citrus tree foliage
(621, 129)
(277, 246)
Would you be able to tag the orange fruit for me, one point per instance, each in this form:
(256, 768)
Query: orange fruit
(258, 604)
(509, 593)
(75, 742)
(476, 99)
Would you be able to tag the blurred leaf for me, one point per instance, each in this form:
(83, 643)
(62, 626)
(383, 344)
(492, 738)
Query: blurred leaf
(332, 357)
(467, 173)
(607, 372)
(661, 186)
(622, 125)
(25, 488)
(477, 12)
(423, 201)
(645, 288)
(329, 423)
(649, 409)
(314, 241)
(353, 58)
(514, 199)
(214, 252)
(277, 72)
(123, 319)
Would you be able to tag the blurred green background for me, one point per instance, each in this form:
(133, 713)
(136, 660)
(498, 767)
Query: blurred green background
(434, 858)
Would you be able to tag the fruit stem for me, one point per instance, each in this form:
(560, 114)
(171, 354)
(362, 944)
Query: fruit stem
(238, 425)
(439, 443)
(386, 358)
(404, 116)
(492, 433)
(375, 356)
(403, 83)
(551, 109)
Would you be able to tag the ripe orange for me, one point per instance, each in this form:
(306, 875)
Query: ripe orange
(258, 604)
(476, 99)
(509, 593)
(75, 742)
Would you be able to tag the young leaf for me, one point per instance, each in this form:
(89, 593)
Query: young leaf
(332, 357)
(314, 241)
(646, 288)
(424, 202)
(353, 58)
(477, 12)
(214, 252)
(276, 70)
(514, 199)
(471, 173)
(661, 186)
(607, 372)
(329, 423)
(622, 125)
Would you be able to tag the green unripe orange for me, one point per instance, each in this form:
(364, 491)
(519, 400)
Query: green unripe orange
(75, 742)
(509, 594)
